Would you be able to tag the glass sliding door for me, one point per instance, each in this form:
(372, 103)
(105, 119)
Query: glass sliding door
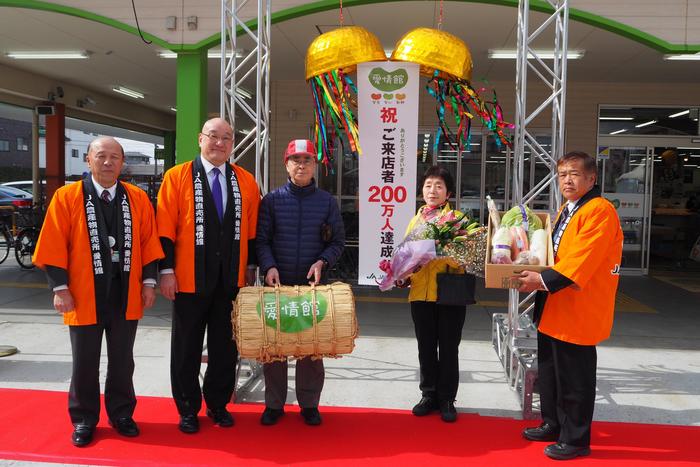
(675, 208)
(496, 184)
(624, 175)
(470, 179)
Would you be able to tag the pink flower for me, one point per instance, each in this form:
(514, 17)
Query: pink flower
(385, 265)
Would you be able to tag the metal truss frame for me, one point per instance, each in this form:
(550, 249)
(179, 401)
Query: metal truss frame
(513, 334)
(237, 68)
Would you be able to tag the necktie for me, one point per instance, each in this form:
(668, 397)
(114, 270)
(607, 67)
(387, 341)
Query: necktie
(105, 196)
(562, 221)
(217, 194)
(559, 231)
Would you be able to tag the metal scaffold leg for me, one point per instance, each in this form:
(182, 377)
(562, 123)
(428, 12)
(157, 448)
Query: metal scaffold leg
(514, 335)
(250, 121)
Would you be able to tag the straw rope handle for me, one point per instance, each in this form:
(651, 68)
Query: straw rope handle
(313, 317)
(298, 334)
(279, 312)
(261, 291)
(331, 310)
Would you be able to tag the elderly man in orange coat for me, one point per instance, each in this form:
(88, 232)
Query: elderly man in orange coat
(99, 247)
(574, 308)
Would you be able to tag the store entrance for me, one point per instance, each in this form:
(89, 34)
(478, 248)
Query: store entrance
(656, 190)
(675, 209)
(625, 180)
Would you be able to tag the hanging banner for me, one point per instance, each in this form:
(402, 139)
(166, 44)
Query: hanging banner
(387, 94)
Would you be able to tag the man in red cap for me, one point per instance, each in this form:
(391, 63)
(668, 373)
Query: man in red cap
(300, 234)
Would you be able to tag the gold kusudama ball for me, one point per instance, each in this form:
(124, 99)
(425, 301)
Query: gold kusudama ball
(434, 50)
(343, 49)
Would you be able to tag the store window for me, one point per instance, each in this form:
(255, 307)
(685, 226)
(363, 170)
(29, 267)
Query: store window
(648, 121)
(22, 144)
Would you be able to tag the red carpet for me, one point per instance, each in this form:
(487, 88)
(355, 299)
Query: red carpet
(35, 427)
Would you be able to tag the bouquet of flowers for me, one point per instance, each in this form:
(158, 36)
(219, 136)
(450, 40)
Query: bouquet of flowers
(451, 235)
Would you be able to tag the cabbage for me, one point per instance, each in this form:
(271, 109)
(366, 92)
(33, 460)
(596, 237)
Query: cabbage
(514, 218)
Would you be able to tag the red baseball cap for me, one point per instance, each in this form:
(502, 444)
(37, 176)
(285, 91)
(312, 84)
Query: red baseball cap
(300, 146)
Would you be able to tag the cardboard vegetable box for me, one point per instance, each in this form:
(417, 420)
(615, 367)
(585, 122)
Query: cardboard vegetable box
(501, 276)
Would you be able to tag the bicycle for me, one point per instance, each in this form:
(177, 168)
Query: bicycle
(6, 239)
(27, 236)
(24, 246)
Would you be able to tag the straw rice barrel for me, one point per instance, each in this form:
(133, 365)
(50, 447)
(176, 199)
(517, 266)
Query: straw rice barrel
(316, 321)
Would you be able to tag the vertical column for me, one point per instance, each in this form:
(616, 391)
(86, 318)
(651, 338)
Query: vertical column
(55, 150)
(37, 189)
(169, 149)
(191, 102)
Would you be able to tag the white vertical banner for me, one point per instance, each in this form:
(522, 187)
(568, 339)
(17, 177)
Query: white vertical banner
(387, 94)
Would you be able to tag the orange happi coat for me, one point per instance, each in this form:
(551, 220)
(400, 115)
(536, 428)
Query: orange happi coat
(589, 254)
(64, 243)
(176, 220)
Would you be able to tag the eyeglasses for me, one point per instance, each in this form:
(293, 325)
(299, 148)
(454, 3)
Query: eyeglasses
(298, 162)
(219, 139)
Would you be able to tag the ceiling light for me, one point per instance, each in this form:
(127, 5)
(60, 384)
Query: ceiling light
(650, 122)
(615, 118)
(684, 112)
(49, 55)
(215, 53)
(243, 92)
(682, 57)
(618, 132)
(543, 54)
(127, 92)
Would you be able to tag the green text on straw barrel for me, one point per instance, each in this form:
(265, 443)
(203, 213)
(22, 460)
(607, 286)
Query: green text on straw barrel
(295, 311)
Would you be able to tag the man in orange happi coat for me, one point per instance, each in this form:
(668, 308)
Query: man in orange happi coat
(99, 247)
(207, 217)
(574, 308)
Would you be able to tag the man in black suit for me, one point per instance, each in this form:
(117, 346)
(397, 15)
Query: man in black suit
(207, 214)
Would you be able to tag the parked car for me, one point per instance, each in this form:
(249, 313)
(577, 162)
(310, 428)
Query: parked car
(25, 185)
(11, 196)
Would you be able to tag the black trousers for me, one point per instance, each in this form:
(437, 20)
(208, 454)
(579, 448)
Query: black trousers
(566, 381)
(438, 331)
(193, 314)
(86, 346)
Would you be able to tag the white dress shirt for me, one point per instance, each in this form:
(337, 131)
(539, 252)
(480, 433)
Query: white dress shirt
(99, 188)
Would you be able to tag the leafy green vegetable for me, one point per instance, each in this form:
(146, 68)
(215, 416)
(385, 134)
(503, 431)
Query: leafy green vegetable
(514, 218)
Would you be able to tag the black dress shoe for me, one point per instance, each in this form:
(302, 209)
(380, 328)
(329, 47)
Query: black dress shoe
(188, 424)
(564, 452)
(311, 416)
(125, 426)
(271, 416)
(448, 413)
(82, 435)
(425, 406)
(544, 432)
(221, 417)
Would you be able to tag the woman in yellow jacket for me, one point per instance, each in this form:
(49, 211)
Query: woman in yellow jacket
(437, 326)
